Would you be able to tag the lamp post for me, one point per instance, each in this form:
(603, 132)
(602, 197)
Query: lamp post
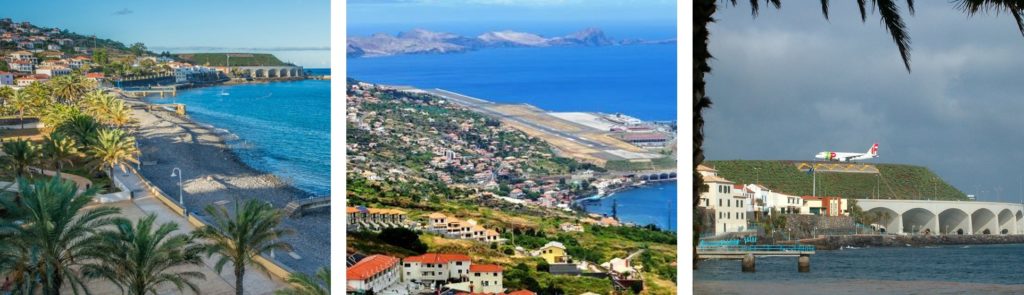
(181, 199)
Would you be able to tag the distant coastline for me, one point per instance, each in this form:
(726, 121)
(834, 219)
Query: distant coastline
(421, 41)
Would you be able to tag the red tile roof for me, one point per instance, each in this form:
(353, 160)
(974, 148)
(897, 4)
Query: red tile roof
(437, 258)
(485, 268)
(522, 292)
(370, 266)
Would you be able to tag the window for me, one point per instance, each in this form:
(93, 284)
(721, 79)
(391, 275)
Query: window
(728, 203)
(719, 202)
(408, 265)
(476, 274)
(458, 263)
(486, 283)
(728, 215)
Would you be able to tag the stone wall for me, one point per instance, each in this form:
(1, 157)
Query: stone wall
(860, 241)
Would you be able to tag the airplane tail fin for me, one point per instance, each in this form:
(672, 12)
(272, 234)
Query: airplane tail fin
(873, 151)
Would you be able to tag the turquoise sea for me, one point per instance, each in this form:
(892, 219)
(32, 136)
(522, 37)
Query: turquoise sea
(280, 127)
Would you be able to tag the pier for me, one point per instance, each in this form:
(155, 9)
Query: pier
(150, 90)
(748, 254)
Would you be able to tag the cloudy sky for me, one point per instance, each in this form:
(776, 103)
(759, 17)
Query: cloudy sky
(295, 30)
(788, 84)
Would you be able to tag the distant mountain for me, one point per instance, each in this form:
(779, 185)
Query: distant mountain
(421, 41)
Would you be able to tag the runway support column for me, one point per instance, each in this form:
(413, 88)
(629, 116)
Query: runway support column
(748, 263)
(804, 263)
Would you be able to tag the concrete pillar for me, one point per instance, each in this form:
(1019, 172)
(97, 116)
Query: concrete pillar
(748, 263)
(935, 224)
(804, 263)
(899, 223)
(970, 225)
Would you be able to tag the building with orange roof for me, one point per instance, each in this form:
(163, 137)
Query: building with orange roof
(373, 274)
(436, 267)
(485, 278)
(438, 221)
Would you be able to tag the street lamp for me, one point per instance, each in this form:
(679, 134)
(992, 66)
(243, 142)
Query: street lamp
(181, 200)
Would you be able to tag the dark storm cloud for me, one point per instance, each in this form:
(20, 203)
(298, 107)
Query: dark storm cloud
(789, 84)
(124, 11)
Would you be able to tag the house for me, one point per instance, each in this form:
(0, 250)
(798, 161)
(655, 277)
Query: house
(373, 274)
(438, 221)
(52, 47)
(53, 70)
(729, 206)
(485, 278)
(619, 265)
(434, 267)
(570, 227)
(28, 80)
(96, 77)
(21, 66)
(6, 78)
(552, 252)
(491, 236)
(811, 206)
(375, 218)
(22, 55)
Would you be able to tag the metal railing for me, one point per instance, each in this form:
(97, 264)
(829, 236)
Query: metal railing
(757, 248)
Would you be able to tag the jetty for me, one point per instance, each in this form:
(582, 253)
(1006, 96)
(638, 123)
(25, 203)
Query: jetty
(748, 254)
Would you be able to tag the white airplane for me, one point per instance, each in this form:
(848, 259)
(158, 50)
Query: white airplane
(846, 157)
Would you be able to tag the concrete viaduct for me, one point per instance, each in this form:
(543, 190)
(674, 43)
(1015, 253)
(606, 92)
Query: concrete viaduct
(947, 217)
(265, 72)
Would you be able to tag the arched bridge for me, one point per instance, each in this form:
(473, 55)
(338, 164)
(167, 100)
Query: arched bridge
(947, 217)
(268, 72)
(652, 175)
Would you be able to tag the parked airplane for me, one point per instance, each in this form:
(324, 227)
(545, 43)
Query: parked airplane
(846, 157)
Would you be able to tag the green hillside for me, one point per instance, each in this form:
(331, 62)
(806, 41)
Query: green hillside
(897, 181)
(237, 59)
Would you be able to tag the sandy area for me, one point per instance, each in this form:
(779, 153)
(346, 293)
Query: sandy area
(212, 174)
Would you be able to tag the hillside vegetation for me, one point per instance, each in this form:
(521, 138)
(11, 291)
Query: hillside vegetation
(897, 181)
(237, 59)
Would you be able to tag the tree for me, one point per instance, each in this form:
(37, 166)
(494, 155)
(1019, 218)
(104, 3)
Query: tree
(82, 128)
(51, 230)
(20, 101)
(138, 49)
(6, 92)
(70, 88)
(240, 237)
(100, 57)
(303, 284)
(59, 149)
(20, 155)
(139, 258)
(703, 11)
(113, 149)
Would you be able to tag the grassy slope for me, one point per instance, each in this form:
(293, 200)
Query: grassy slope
(220, 59)
(898, 181)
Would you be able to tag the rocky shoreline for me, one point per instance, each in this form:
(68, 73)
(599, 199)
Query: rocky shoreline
(214, 175)
(860, 241)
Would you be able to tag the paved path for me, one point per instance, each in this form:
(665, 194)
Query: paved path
(256, 282)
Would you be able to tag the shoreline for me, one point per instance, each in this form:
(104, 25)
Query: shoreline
(891, 241)
(582, 204)
(849, 286)
(214, 174)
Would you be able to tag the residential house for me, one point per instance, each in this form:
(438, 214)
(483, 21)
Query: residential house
(28, 80)
(22, 55)
(729, 205)
(485, 278)
(21, 66)
(373, 274)
(53, 70)
(375, 218)
(6, 79)
(811, 205)
(434, 267)
(552, 252)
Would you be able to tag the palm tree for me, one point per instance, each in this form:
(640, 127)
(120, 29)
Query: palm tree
(703, 11)
(59, 149)
(80, 127)
(113, 149)
(239, 237)
(20, 154)
(51, 232)
(21, 101)
(70, 88)
(303, 284)
(6, 93)
(139, 258)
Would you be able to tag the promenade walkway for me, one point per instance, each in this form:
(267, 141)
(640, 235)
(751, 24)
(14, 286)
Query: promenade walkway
(256, 282)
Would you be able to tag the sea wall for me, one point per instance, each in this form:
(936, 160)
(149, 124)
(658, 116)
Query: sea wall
(836, 242)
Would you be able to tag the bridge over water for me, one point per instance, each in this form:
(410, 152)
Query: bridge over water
(947, 217)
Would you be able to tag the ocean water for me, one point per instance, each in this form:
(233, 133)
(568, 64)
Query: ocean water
(280, 127)
(987, 264)
(651, 204)
(637, 80)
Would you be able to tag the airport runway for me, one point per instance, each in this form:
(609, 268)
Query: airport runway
(483, 106)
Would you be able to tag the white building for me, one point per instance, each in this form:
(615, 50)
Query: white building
(435, 267)
(21, 66)
(485, 279)
(53, 70)
(373, 273)
(728, 203)
(766, 200)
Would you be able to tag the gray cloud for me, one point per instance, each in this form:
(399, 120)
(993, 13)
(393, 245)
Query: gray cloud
(124, 11)
(789, 84)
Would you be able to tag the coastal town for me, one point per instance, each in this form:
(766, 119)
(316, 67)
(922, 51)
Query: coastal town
(431, 181)
(83, 126)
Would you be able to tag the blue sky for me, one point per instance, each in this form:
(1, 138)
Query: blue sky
(295, 30)
(649, 19)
